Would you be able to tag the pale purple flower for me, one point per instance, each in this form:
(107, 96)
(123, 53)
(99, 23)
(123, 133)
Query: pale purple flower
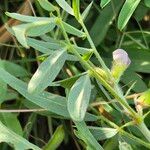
(121, 57)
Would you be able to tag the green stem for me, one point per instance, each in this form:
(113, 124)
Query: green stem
(145, 131)
(117, 97)
(93, 47)
(124, 133)
(134, 40)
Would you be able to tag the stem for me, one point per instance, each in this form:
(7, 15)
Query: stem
(117, 97)
(145, 131)
(93, 47)
(134, 40)
(124, 133)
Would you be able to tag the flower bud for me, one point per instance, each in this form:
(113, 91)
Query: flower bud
(121, 56)
(120, 63)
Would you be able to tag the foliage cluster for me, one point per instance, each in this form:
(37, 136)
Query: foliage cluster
(63, 85)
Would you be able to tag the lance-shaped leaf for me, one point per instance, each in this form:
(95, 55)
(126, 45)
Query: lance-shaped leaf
(3, 91)
(51, 102)
(87, 136)
(18, 142)
(126, 12)
(19, 32)
(47, 71)
(78, 98)
(67, 83)
(25, 18)
(40, 28)
(32, 29)
(6, 119)
(45, 4)
(72, 30)
(56, 139)
(64, 5)
(42, 46)
(13, 68)
(101, 133)
(86, 11)
(76, 8)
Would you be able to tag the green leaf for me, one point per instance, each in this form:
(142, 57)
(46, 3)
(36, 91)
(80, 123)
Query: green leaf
(16, 70)
(101, 133)
(10, 95)
(13, 68)
(126, 12)
(83, 50)
(78, 98)
(19, 32)
(39, 45)
(147, 3)
(104, 3)
(103, 22)
(87, 136)
(45, 4)
(42, 46)
(32, 29)
(72, 30)
(48, 101)
(139, 83)
(11, 121)
(65, 6)
(56, 139)
(40, 28)
(67, 83)
(81, 137)
(87, 56)
(76, 8)
(3, 91)
(140, 59)
(86, 11)
(47, 71)
(25, 18)
(18, 142)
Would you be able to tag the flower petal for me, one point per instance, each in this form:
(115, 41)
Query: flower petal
(121, 56)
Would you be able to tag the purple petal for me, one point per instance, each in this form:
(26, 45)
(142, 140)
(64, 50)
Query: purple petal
(121, 56)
